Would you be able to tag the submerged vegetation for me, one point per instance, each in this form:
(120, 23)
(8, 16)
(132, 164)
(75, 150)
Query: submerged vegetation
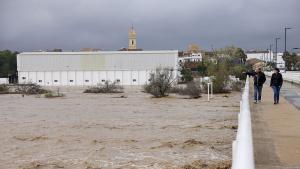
(107, 87)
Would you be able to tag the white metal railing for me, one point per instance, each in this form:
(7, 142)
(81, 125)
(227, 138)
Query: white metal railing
(242, 147)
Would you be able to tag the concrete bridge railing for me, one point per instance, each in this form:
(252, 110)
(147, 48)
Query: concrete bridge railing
(242, 147)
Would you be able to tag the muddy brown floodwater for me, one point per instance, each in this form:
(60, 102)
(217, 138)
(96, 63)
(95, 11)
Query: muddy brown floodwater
(92, 131)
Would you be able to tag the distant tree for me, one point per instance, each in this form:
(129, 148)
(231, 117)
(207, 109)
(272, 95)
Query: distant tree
(160, 82)
(8, 63)
(193, 48)
(237, 55)
(202, 68)
(220, 75)
(291, 60)
(240, 54)
(186, 74)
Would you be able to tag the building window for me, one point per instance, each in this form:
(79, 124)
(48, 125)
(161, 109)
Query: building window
(86, 80)
(103, 80)
(134, 80)
(40, 81)
(118, 80)
(23, 78)
(71, 80)
(55, 81)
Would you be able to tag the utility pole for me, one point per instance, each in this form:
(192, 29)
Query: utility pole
(275, 58)
(285, 38)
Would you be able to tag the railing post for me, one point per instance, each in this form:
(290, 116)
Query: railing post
(208, 85)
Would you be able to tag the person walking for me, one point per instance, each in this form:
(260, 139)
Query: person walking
(259, 80)
(276, 83)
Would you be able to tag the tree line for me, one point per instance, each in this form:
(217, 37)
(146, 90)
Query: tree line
(8, 63)
(292, 61)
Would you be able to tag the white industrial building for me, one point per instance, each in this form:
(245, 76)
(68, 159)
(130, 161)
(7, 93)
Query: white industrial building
(92, 68)
(267, 56)
(193, 57)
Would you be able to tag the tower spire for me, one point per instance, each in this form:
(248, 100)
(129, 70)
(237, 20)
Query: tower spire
(132, 38)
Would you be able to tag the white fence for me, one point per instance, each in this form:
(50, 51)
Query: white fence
(242, 147)
(290, 76)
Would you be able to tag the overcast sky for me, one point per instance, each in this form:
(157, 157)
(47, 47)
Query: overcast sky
(27, 25)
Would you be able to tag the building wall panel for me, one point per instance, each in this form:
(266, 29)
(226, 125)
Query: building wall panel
(56, 81)
(134, 77)
(40, 78)
(79, 78)
(95, 77)
(87, 78)
(31, 77)
(64, 78)
(71, 78)
(102, 77)
(48, 78)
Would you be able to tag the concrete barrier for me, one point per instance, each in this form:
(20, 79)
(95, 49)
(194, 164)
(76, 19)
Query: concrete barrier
(242, 147)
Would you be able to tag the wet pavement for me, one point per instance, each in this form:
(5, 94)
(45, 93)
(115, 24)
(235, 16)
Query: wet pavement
(275, 129)
(291, 93)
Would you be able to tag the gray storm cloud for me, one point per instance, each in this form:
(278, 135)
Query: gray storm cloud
(160, 24)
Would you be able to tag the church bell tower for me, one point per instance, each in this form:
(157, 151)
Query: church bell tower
(132, 39)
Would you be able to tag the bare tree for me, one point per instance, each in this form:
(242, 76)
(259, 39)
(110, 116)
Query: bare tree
(160, 82)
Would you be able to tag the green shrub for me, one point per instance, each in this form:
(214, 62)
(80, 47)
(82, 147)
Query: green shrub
(53, 95)
(186, 75)
(220, 77)
(238, 70)
(108, 87)
(4, 89)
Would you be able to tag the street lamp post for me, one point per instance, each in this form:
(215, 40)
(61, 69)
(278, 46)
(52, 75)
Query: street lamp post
(285, 38)
(270, 52)
(275, 57)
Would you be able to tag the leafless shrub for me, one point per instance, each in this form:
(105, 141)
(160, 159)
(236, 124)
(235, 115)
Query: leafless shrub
(4, 89)
(160, 82)
(237, 85)
(108, 87)
(30, 89)
(192, 89)
(51, 94)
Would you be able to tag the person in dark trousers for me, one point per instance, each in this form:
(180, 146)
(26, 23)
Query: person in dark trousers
(276, 83)
(259, 80)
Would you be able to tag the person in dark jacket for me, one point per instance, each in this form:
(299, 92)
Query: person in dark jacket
(276, 83)
(259, 80)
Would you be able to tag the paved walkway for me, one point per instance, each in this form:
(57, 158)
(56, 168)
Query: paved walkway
(276, 133)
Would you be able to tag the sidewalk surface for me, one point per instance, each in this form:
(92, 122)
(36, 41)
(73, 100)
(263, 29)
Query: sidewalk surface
(276, 132)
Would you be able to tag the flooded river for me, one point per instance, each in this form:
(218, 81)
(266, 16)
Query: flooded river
(129, 130)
